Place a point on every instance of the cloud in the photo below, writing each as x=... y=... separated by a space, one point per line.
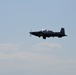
x=20 y=61
x=36 y=57
x=21 y=56
x=35 y=61
x=11 y=51
x=47 y=45
x=9 y=46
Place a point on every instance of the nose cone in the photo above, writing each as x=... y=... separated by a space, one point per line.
x=32 y=33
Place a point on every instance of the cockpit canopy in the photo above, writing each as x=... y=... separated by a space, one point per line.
x=45 y=30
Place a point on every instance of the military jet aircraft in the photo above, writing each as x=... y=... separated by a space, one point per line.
x=48 y=33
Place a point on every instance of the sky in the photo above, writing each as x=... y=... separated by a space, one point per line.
x=21 y=54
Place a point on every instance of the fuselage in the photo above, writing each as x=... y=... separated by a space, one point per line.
x=48 y=33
